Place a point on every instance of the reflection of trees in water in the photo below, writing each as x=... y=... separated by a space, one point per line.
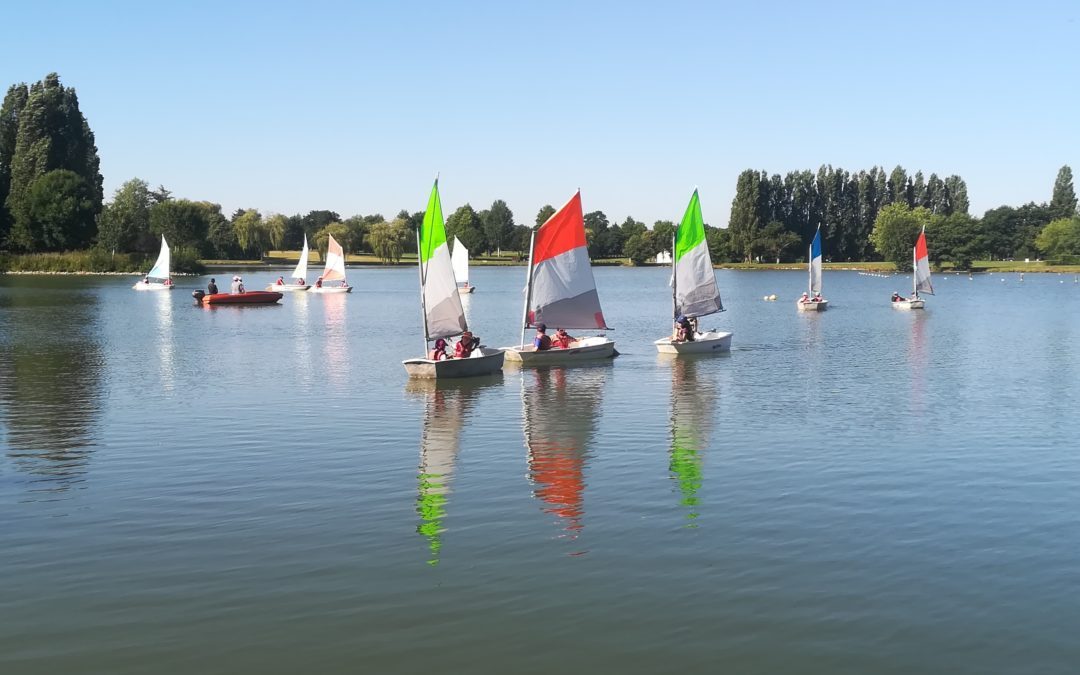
x=560 y=411
x=692 y=404
x=446 y=408
x=50 y=371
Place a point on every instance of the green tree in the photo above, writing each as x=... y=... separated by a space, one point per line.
x=180 y=221
x=641 y=246
x=745 y=218
x=124 y=224
x=465 y=224
x=498 y=225
x=276 y=227
x=388 y=239
x=220 y=237
x=1063 y=201
x=52 y=134
x=895 y=231
x=315 y=221
x=546 y=211
x=58 y=213
x=957 y=238
x=1060 y=238
x=721 y=246
x=665 y=233
x=14 y=102
x=251 y=233
x=777 y=241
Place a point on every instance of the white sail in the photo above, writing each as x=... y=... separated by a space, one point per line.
x=301 y=267
x=160 y=270
x=695 y=291
x=459 y=258
x=815 y=264
x=443 y=314
x=335 y=262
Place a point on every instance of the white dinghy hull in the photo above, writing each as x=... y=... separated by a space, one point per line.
x=153 y=287
x=909 y=304
x=585 y=349
x=330 y=289
x=484 y=361
x=813 y=306
x=710 y=342
x=282 y=288
x=466 y=289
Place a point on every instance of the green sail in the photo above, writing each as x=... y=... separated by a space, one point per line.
x=433 y=230
x=691 y=230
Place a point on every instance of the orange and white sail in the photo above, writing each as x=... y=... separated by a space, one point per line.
x=335 y=262
x=922 y=266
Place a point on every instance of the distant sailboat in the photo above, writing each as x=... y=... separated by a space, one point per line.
x=158 y=278
x=920 y=276
x=334 y=270
x=459 y=258
x=694 y=292
x=560 y=291
x=299 y=274
x=440 y=303
x=812 y=300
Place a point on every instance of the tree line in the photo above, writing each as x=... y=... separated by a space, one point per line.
x=51 y=200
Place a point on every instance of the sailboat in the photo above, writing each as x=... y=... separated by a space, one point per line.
x=812 y=300
x=460 y=260
x=299 y=274
x=334 y=270
x=560 y=291
x=920 y=276
x=694 y=293
x=440 y=303
x=158 y=279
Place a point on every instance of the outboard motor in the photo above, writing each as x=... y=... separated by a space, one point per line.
x=198 y=295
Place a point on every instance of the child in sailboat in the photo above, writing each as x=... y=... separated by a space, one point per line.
x=439 y=352
x=684 y=330
x=465 y=345
x=542 y=341
x=562 y=339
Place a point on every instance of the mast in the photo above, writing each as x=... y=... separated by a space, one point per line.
x=528 y=289
x=810 y=270
x=915 y=270
x=423 y=302
x=674 y=278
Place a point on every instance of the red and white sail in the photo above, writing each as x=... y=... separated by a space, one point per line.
x=561 y=290
x=922 y=266
x=335 y=261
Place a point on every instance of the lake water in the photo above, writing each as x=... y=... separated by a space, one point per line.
x=260 y=489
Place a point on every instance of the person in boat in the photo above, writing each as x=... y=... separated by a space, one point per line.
x=684 y=330
x=211 y=288
x=235 y=286
x=167 y=282
x=439 y=352
x=301 y=282
x=465 y=346
x=281 y=281
x=805 y=297
x=146 y=280
x=318 y=283
x=542 y=341
x=562 y=339
x=896 y=297
x=817 y=298
x=240 y=287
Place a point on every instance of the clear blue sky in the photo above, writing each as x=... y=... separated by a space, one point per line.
x=289 y=107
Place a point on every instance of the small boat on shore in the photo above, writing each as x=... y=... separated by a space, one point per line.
x=246 y=298
x=158 y=278
x=694 y=292
x=560 y=291
x=299 y=274
x=920 y=277
x=444 y=316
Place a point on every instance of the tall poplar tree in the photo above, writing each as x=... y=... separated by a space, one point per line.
x=1063 y=201
x=14 y=102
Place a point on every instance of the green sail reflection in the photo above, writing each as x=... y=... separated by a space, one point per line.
x=693 y=400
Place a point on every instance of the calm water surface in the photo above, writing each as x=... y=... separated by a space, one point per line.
x=261 y=490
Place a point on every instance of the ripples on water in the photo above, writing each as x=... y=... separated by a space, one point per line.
x=260 y=488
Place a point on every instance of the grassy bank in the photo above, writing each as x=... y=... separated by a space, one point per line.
x=92 y=261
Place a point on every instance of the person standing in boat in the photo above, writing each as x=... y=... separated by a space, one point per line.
x=542 y=342
x=211 y=288
x=235 y=286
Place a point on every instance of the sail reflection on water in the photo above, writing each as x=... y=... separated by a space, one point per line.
x=165 y=340
x=560 y=411
x=693 y=403
x=336 y=357
x=447 y=407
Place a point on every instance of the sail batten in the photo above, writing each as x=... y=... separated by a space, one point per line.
x=696 y=292
x=562 y=290
x=922 y=266
x=444 y=315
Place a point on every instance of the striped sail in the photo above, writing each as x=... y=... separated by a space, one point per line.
x=160 y=270
x=335 y=261
x=444 y=316
x=562 y=291
x=696 y=293
x=815 y=264
x=922 y=266
x=460 y=260
x=301 y=267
